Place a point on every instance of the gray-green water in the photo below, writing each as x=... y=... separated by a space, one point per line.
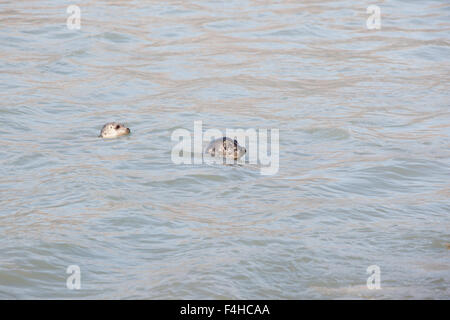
x=364 y=149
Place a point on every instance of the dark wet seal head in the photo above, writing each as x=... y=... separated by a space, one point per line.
x=114 y=130
x=226 y=148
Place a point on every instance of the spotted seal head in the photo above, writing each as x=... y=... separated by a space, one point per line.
x=226 y=148
x=114 y=130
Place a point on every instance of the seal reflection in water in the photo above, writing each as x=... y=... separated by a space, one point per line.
x=113 y=130
x=226 y=148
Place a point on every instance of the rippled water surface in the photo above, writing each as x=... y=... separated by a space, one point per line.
x=363 y=118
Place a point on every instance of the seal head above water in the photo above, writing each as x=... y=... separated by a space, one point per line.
x=226 y=148
x=114 y=130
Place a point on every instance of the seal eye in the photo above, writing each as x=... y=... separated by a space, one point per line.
x=117 y=127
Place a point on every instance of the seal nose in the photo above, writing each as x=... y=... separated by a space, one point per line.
x=128 y=130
